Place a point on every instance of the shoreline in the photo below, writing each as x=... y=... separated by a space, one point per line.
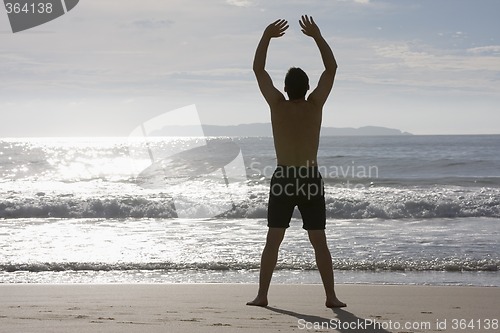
x=221 y=307
x=226 y=275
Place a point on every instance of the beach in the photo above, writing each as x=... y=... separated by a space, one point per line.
x=221 y=308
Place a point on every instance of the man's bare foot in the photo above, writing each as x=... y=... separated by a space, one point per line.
x=258 y=301
x=335 y=303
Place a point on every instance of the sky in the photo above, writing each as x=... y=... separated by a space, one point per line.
x=105 y=67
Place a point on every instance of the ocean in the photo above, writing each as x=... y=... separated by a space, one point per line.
x=400 y=210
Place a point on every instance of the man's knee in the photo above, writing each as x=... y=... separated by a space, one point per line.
x=317 y=239
x=275 y=237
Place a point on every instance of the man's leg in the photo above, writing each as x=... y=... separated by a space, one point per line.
x=325 y=267
x=267 y=264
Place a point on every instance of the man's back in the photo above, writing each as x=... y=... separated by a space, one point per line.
x=296 y=128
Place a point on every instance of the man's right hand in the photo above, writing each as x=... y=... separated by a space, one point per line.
x=276 y=29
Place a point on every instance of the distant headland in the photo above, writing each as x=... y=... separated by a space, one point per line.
x=264 y=129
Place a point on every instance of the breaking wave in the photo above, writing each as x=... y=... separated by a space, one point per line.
x=444 y=264
x=384 y=202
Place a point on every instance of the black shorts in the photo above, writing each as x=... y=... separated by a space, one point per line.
x=296 y=186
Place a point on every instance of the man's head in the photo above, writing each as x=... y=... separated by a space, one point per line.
x=296 y=83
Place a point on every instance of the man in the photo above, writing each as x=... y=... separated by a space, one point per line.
x=296 y=124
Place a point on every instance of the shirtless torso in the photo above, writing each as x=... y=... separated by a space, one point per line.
x=296 y=128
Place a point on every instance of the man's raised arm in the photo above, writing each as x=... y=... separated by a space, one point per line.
x=325 y=84
x=271 y=94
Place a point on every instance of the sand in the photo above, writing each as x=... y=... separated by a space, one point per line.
x=221 y=308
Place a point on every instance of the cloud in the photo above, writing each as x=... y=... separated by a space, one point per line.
x=363 y=2
x=239 y=3
x=217 y=72
x=488 y=50
x=421 y=56
x=417 y=67
x=152 y=23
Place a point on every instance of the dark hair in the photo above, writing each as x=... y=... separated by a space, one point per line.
x=296 y=83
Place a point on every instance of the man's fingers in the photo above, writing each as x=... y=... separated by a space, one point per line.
x=282 y=27
x=279 y=22
x=306 y=21
x=282 y=31
x=277 y=28
x=283 y=24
